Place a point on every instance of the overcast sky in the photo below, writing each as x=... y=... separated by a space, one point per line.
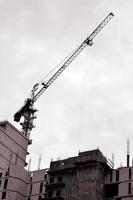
x=91 y=104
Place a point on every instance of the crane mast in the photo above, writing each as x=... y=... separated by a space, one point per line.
x=27 y=111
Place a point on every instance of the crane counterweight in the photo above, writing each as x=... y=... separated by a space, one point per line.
x=27 y=111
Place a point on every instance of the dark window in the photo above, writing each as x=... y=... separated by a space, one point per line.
x=50 y=194
x=39 y=198
x=52 y=180
x=0 y=175
x=45 y=176
x=30 y=188
x=60 y=179
x=7 y=173
x=58 y=192
x=111 y=190
x=3 y=195
x=5 y=183
x=129 y=188
x=130 y=173
x=117 y=175
x=111 y=176
x=31 y=179
x=41 y=187
x=29 y=198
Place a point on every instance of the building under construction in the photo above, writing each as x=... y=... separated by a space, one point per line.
x=90 y=175
x=17 y=183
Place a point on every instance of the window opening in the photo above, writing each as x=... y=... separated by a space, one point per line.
x=5 y=183
x=50 y=194
x=45 y=176
x=41 y=187
x=117 y=175
x=130 y=173
x=60 y=179
x=58 y=193
x=111 y=176
x=111 y=190
x=3 y=195
x=30 y=188
x=129 y=188
x=52 y=180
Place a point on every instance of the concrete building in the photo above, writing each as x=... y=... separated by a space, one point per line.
x=119 y=184
x=89 y=176
x=13 y=146
x=16 y=183
x=86 y=176
x=13 y=151
x=37 y=185
x=78 y=178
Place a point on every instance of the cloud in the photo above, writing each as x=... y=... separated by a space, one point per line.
x=90 y=104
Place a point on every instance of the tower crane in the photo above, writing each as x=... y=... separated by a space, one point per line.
x=27 y=111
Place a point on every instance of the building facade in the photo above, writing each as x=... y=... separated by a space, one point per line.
x=119 y=184
x=37 y=186
x=16 y=183
x=88 y=176
x=78 y=178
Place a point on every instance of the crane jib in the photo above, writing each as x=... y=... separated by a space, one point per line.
x=88 y=41
x=100 y=27
x=27 y=111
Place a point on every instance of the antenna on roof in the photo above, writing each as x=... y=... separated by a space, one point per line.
x=128 y=152
x=29 y=165
x=113 y=159
x=39 y=162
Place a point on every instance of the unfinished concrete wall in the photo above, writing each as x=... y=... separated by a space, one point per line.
x=81 y=177
x=121 y=185
x=13 y=146
x=13 y=151
x=37 y=184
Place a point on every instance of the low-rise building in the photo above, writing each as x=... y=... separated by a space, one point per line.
x=37 y=184
x=89 y=176
x=78 y=178
x=86 y=176
x=119 y=184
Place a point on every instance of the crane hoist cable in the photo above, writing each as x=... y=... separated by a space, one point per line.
x=27 y=111
x=50 y=73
